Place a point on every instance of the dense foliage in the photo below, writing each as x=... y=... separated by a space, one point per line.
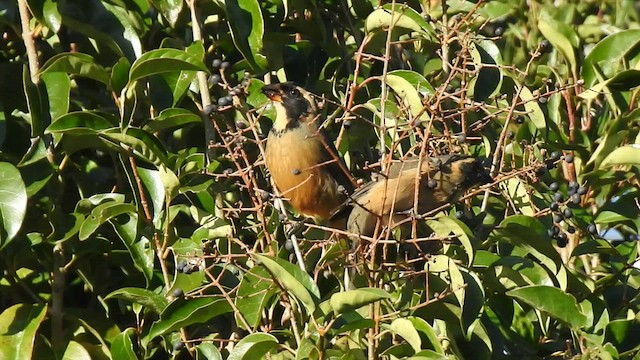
x=138 y=221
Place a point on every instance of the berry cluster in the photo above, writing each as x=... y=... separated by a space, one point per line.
x=220 y=79
x=186 y=267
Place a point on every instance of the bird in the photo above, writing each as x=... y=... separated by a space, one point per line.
x=442 y=179
x=303 y=163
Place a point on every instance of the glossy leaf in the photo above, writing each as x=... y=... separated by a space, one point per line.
x=607 y=53
x=294 y=280
x=181 y=313
x=147 y=298
x=254 y=293
x=254 y=346
x=344 y=301
x=18 y=326
x=551 y=301
x=13 y=202
x=77 y=64
x=122 y=346
x=247 y=29
x=79 y=123
x=164 y=60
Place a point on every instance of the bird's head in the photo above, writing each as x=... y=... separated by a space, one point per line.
x=293 y=104
x=474 y=173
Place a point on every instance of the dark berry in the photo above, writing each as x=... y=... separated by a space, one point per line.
x=520 y=119
x=462 y=138
x=550 y=231
x=241 y=125
x=542 y=99
x=224 y=101
x=427 y=18
x=214 y=79
x=288 y=245
x=592 y=229
x=510 y=135
x=216 y=63
x=177 y=345
x=541 y=171
x=224 y=65
x=347 y=124
x=567 y=213
x=568 y=158
x=571 y=191
x=571 y=229
x=554 y=186
x=210 y=109
x=561 y=242
x=431 y=184
x=296 y=171
x=558 y=196
x=544 y=45
x=459 y=214
x=575 y=199
x=554 y=206
x=499 y=31
x=265 y=196
x=557 y=218
x=187 y=269
x=582 y=190
x=574 y=185
x=555 y=155
x=177 y=292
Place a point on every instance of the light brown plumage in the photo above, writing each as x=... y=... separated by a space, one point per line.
x=304 y=166
x=384 y=199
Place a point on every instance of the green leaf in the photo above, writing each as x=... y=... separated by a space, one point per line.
x=139 y=248
x=77 y=64
x=402 y=16
x=153 y=184
x=562 y=37
x=58 y=86
x=36 y=104
x=254 y=346
x=553 y=302
x=122 y=346
x=164 y=60
x=424 y=327
x=533 y=108
x=293 y=279
x=345 y=301
x=405 y=329
x=247 y=29
x=487 y=58
x=18 y=326
x=100 y=214
x=409 y=86
x=606 y=56
x=172 y=118
x=623 y=334
x=254 y=293
x=625 y=155
x=181 y=313
x=444 y=226
x=75 y=351
x=13 y=202
x=519 y=194
x=141 y=143
x=208 y=351
x=79 y=123
x=170 y=9
x=147 y=298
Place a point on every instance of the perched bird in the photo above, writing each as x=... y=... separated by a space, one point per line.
x=304 y=166
x=441 y=180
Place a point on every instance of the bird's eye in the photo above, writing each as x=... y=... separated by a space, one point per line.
x=294 y=92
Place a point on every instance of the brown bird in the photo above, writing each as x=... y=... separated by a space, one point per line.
x=441 y=180
x=304 y=166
